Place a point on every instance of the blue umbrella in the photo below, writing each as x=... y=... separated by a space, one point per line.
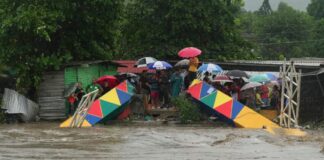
x=159 y=65
x=271 y=76
x=259 y=78
x=212 y=68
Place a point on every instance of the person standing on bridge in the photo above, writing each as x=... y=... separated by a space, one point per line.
x=193 y=68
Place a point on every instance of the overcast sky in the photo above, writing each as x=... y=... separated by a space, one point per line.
x=252 y=5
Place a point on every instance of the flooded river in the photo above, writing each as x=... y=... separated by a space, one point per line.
x=47 y=141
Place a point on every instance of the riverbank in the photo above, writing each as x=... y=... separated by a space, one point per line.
x=46 y=140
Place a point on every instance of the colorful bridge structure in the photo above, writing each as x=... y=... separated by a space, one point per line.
x=220 y=103
x=108 y=106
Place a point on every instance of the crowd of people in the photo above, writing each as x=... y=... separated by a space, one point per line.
x=163 y=84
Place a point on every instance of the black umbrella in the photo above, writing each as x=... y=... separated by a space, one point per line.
x=237 y=74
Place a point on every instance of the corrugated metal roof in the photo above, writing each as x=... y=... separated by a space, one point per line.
x=301 y=62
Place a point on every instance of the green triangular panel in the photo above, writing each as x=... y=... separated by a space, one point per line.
x=130 y=88
x=107 y=107
x=210 y=99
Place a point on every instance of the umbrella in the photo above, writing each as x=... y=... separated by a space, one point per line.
x=271 y=76
x=212 y=68
x=237 y=74
x=222 y=78
x=143 y=62
x=273 y=83
x=189 y=52
x=159 y=65
x=112 y=80
x=251 y=85
x=129 y=74
x=183 y=63
x=259 y=78
x=70 y=89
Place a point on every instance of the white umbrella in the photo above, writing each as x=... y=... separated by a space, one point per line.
x=159 y=65
x=251 y=85
x=143 y=62
x=182 y=63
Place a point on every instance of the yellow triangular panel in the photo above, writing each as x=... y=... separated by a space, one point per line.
x=221 y=98
x=111 y=97
x=86 y=124
x=195 y=81
x=67 y=123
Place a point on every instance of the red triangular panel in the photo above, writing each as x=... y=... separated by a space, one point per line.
x=122 y=86
x=95 y=109
x=225 y=109
x=195 y=90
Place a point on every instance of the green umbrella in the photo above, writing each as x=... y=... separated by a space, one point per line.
x=259 y=78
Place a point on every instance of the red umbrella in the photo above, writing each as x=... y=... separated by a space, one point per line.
x=222 y=78
x=112 y=80
x=189 y=52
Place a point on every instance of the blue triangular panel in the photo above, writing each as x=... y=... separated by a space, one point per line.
x=236 y=109
x=206 y=89
x=92 y=119
x=123 y=96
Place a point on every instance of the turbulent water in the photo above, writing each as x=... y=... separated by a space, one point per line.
x=47 y=141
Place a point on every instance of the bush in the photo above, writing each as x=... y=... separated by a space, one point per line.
x=189 y=111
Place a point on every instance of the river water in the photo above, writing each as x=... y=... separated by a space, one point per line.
x=48 y=141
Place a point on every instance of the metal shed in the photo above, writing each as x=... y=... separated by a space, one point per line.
x=51 y=91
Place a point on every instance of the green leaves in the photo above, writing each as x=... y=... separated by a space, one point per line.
x=37 y=35
x=161 y=28
x=316 y=9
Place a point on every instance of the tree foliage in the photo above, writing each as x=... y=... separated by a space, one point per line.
x=316 y=9
x=36 y=35
x=285 y=32
x=39 y=34
x=160 y=28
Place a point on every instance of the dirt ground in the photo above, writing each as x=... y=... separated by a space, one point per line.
x=47 y=141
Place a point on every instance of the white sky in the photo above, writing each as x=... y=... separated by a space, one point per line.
x=252 y=5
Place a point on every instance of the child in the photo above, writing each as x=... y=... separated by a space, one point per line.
x=72 y=101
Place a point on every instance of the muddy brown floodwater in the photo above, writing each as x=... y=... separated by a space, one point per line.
x=47 y=141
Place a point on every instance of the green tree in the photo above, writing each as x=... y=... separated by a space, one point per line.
x=316 y=9
x=286 y=31
x=317 y=45
x=265 y=8
x=160 y=28
x=36 y=35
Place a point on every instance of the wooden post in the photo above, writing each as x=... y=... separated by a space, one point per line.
x=283 y=81
x=83 y=107
x=298 y=96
